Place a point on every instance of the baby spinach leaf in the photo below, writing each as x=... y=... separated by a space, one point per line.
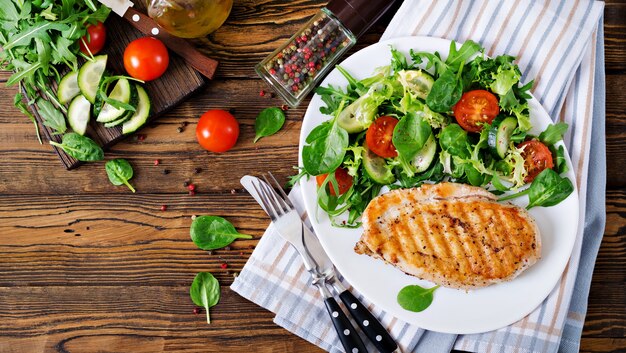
x=548 y=189
x=415 y=298
x=454 y=140
x=446 y=91
x=410 y=135
x=52 y=117
x=80 y=147
x=268 y=122
x=205 y=292
x=119 y=172
x=213 y=232
x=326 y=148
x=553 y=133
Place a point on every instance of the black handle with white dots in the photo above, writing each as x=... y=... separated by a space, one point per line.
x=347 y=333
x=368 y=323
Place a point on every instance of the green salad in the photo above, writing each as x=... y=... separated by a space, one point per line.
x=464 y=119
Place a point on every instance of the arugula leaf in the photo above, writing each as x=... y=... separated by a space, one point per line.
x=51 y=116
x=17 y=101
x=456 y=59
x=560 y=163
x=398 y=61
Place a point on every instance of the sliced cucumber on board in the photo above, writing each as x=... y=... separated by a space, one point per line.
x=140 y=115
x=121 y=92
x=78 y=114
x=89 y=77
x=68 y=87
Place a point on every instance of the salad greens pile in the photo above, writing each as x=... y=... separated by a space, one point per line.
x=39 y=40
x=421 y=93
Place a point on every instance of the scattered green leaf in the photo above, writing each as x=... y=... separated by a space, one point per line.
x=80 y=147
x=268 y=122
x=205 y=292
x=415 y=298
x=213 y=232
x=120 y=172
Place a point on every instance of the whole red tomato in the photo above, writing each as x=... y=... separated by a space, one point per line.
x=146 y=58
x=217 y=131
x=94 y=39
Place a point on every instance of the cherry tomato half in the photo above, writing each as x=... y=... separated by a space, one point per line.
x=146 y=58
x=537 y=157
x=217 y=130
x=379 y=135
x=344 y=181
x=94 y=39
x=476 y=108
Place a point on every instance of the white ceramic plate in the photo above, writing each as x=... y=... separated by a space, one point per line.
x=452 y=311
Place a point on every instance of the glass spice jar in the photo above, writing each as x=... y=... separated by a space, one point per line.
x=294 y=69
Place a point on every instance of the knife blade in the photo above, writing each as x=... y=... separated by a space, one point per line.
x=202 y=63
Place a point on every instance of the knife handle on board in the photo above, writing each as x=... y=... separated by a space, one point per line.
x=202 y=63
x=373 y=329
x=348 y=335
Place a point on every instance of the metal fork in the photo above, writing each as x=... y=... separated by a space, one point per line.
x=287 y=222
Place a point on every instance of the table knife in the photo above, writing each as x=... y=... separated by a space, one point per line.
x=325 y=269
x=202 y=63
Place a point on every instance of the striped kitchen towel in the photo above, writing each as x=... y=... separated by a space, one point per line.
x=559 y=43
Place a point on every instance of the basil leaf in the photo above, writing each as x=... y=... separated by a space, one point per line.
x=212 y=232
x=415 y=298
x=326 y=149
x=205 y=291
x=51 y=116
x=410 y=135
x=268 y=122
x=548 y=189
x=119 y=172
x=80 y=147
x=553 y=133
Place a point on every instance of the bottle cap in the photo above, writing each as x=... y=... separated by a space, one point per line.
x=359 y=15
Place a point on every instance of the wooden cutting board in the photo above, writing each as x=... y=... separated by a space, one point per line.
x=179 y=81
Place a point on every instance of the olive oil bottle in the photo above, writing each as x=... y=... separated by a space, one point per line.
x=189 y=18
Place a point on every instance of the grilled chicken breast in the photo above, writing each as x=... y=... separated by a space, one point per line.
x=454 y=235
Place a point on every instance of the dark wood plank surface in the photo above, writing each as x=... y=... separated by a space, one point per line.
x=85 y=266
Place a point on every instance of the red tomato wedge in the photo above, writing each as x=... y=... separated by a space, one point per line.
x=537 y=158
x=476 y=108
x=379 y=137
x=344 y=181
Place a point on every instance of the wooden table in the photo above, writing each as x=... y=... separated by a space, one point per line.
x=86 y=266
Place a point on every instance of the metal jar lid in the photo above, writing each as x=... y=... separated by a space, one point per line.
x=359 y=15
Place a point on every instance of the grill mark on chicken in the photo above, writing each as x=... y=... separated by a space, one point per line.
x=452 y=234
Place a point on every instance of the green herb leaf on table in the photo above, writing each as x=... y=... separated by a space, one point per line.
x=268 y=122
x=415 y=298
x=119 y=172
x=51 y=116
x=205 y=292
x=213 y=232
x=80 y=147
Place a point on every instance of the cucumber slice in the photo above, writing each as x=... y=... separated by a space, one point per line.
x=121 y=92
x=68 y=87
x=500 y=135
x=376 y=167
x=141 y=114
x=426 y=155
x=417 y=82
x=347 y=120
x=78 y=114
x=89 y=77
